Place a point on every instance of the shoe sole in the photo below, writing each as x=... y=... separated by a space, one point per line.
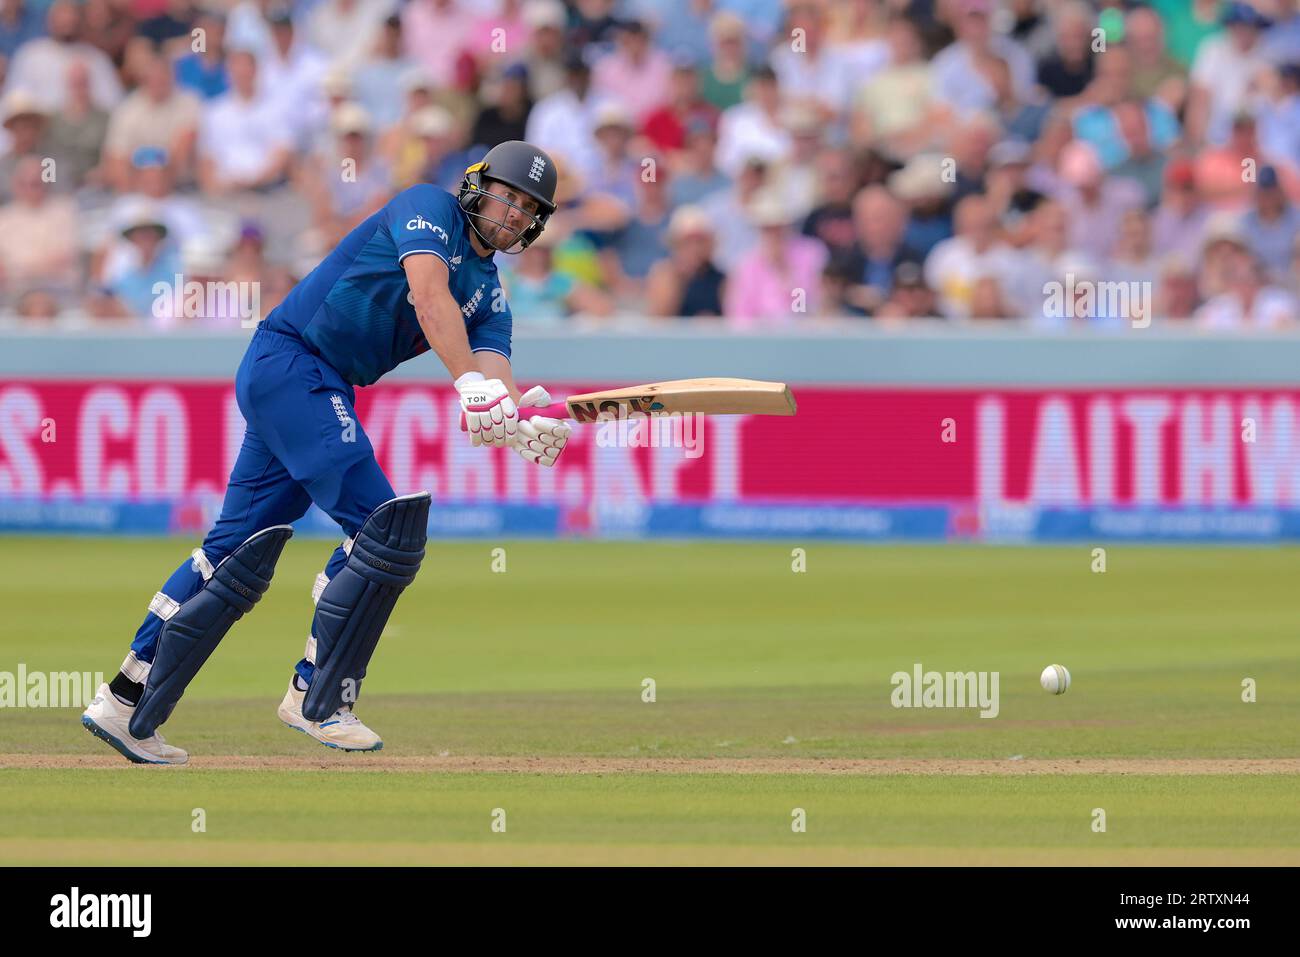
x=89 y=724
x=330 y=744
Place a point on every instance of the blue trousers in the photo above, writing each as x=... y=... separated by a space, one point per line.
x=302 y=444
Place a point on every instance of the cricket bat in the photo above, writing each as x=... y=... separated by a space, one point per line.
x=707 y=396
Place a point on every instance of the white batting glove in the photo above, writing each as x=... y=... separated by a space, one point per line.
x=490 y=414
x=541 y=439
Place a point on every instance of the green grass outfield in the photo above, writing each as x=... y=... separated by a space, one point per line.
x=523 y=691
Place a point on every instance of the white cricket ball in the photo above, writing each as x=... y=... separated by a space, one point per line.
x=1055 y=679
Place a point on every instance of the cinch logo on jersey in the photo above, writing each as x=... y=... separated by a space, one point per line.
x=472 y=305
x=950 y=689
x=535 y=174
x=421 y=223
x=103 y=910
x=53 y=689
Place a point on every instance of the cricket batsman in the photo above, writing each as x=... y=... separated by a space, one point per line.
x=417 y=275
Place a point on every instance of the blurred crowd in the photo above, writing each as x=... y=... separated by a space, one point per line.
x=770 y=162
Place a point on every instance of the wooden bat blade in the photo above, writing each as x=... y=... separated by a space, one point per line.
x=707 y=396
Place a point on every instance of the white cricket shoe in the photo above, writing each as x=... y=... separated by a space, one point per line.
x=342 y=730
x=109 y=720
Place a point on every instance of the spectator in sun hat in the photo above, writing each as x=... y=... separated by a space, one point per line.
x=923 y=185
x=1176 y=294
x=27 y=123
x=424 y=141
x=617 y=171
x=338 y=205
x=154 y=261
x=779 y=281
x=1223 y=235
x=151 y=184
x=687 y=283
x=796 y=178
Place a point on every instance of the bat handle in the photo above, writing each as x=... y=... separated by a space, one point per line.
x=557 y=411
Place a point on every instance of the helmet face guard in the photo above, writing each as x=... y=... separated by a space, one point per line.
x=474 y=188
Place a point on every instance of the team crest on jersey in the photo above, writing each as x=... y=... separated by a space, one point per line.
x=474 y=300
x=539 y=165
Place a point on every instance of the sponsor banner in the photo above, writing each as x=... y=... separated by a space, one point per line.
x=855 y=463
